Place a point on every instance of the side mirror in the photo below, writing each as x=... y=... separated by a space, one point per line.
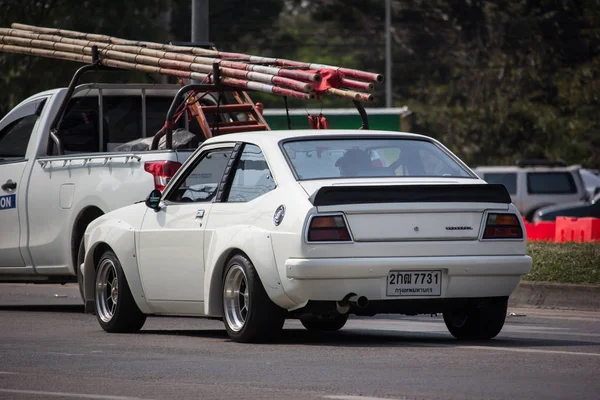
x=153 y=200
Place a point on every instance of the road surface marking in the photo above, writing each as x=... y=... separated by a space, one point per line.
x=492 y=348
x=63 y=394
x=343 y=397
x=64 y=354
x=7 y=373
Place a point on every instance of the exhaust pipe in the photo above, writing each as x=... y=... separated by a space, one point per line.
x=362 y=302
x=343 y=306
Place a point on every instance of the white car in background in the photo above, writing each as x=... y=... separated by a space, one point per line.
x=258 y=227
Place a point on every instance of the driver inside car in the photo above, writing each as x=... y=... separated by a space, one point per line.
x=355 y=162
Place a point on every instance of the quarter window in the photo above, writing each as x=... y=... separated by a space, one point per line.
x=252 y=177
x=201 y=182
x=509 y=180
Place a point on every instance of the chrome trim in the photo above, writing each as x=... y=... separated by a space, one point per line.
x=333 y=214
x=107 y=157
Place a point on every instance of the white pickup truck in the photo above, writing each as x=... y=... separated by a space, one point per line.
x=59 y=174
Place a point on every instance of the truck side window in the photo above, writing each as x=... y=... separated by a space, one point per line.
x=79 y=128
x=508 y=179
x=15 y=137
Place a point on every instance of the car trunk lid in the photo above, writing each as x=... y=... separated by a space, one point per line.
x=417 y=212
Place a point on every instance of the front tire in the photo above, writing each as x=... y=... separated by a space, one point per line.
x=249 y=314
x=324 y=323
x=116 y=310
x=482 y=322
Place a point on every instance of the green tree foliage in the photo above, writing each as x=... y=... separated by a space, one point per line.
x=22 y=75
x=496 y=80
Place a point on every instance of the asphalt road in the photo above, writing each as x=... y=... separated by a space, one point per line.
x=49 y=349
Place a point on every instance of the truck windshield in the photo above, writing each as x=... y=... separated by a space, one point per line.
x=360 y=158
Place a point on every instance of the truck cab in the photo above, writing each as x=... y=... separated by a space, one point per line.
x=55 y=180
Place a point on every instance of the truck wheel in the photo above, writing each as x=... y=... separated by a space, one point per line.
x=115 y=308
x=80 y=258
x=249 y=314
x=324 y=323
x=479 y=323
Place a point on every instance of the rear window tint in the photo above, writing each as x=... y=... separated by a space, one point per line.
x=360 y=157
x=509 y=180
x=550 y=183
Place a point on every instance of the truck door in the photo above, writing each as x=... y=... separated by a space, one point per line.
x=15 y=131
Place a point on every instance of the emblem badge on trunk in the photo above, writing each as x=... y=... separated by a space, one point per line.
x=416 y=228
x=459 y=228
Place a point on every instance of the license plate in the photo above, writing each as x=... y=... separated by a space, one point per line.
x=414 y=283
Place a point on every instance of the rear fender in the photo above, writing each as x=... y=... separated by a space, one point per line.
x=256 y=244
x=119 y=236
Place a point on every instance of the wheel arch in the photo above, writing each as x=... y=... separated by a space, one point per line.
x=260 y=254
x=83 y=219
x=119 y=237
x=213 y=298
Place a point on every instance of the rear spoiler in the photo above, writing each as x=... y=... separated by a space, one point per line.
x=477 y=193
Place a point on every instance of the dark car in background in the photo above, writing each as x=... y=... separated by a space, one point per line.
x=580 y=209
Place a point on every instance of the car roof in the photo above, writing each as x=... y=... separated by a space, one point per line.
x=279 y=135
x=516 y=168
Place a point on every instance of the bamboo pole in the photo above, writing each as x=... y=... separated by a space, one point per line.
x=233 y=82
x=162 y=62
x=349 y=94
x=353 y=73
x=45 y=40
x=351 y=83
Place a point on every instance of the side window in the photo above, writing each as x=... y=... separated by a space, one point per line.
x=508 y=179
x=201 y=181
x=252 y=177
x=14 y=138
x=551 y=183
x=78 y=129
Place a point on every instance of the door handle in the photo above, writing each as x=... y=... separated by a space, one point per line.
x=199 y=214
x=9 y=185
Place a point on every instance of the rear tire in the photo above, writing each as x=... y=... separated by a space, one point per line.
x=115 y=307
x=249 y=314
x=324 y=323
x=482 y=322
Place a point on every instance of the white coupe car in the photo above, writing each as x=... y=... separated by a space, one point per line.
x=258 y=227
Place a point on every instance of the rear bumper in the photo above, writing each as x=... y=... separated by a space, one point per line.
x=462 y=276
x=358 y=268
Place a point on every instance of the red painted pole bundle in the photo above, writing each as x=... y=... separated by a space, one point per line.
x=271 y=75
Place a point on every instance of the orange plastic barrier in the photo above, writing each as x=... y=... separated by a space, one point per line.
x=544 y=230
x=577 y=229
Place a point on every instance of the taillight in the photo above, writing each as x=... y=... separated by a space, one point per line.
x=162 y=171
x=328 y=228
x=502 y=226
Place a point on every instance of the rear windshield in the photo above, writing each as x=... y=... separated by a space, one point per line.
x=359 y=158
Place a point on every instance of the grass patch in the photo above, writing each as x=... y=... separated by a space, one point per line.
x=564 y=262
